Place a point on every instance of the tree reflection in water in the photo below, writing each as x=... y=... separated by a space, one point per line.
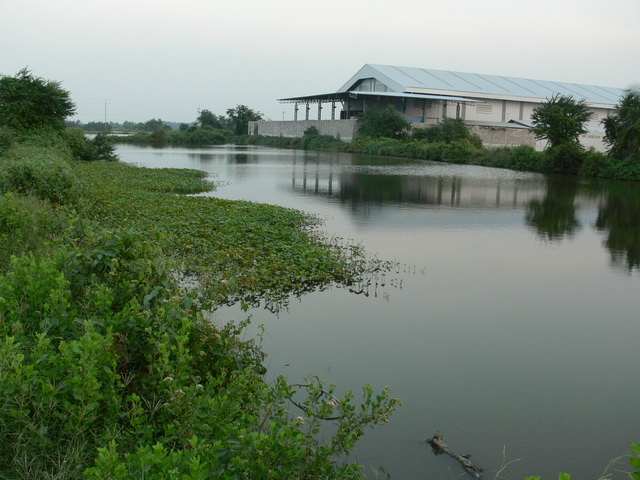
x=619 y=216
x=554 y=217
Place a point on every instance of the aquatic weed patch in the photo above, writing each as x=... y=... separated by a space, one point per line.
x=239 y=251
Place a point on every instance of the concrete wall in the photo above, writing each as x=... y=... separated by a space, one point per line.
x=342 y=129
x=493 y=137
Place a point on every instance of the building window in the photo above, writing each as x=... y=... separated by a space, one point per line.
x=484 y=108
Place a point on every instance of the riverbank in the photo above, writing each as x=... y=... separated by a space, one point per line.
x=109 y=366
x=461 y=149
x=589 y=164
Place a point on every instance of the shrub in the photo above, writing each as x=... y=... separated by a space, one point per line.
x=448 y=130
x=596 y=164
x=7 y=137
x=565 y=158
x=25 y=223
x=526 y=158
x=384 y=122
x=40 y=172
x=459 y=152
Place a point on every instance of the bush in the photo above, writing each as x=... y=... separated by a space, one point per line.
x=447 y=131
x=459 y=152
x=565 y=158
x=25 y=223
x=596 y=164
x=385 y=122
x=39 y=172
x=526 y=158
x=7 y=137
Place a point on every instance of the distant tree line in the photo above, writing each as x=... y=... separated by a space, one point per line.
x=207 y=127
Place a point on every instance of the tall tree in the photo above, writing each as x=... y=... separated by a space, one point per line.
x=622 y=128
x=561 y=119
x=208 y=119
x=27 y=102
x=240 y=116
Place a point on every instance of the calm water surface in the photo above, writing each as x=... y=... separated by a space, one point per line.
x=511 y=323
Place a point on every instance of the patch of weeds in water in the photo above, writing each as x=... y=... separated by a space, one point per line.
x=239 y=251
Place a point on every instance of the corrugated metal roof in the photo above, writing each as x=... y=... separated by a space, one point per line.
x=327 y=97
x=416 y=96
x=409 y=79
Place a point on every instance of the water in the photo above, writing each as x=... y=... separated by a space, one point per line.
x=510 y=324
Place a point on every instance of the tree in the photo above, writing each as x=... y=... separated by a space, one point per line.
x=28 y=102
x=561 y=119
x=622 y=128
x=384 y=122
x=208 y=119
x=153 y=125
x=240 y=116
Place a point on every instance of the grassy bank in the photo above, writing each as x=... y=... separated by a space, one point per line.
x=108 y=366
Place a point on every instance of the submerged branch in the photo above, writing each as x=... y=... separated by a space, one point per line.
x=439 y=447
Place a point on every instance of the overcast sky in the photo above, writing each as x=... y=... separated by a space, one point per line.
x=167 y=59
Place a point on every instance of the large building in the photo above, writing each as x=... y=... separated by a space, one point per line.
x=496 y=107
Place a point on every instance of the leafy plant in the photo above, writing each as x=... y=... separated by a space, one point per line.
x=622 y=128
x=561 y=119
x=385 y=122
x=28 y=102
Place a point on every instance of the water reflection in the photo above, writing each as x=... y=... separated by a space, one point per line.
x=619 y=217
x=551 y=204
x=554 y=217
x=391 y=184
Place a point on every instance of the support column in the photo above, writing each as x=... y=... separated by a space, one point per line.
x=306 y=115
x=319 y=110
x=444 y=109
x=333 y=109
x=295 y=112
x=458 y=110
x=424 y=111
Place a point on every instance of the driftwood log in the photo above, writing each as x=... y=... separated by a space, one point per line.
x=468 y=466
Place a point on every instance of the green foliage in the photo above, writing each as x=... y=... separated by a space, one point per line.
x=7 y=138
x=526 y=158
x=28 y=102
x=562 y=476
x=192 y=136
x=238 y=250
x=312 y=140
x=240 y=116
x=565 y=158
x=108 y=368
x=561 y=119
x=82 y=148
x=622 y=128
x=41 y=172
x=385 y=122
x=447 y=131
x=635 y=460
x=153 y=125
x=208 y=119
x=595 y=164
x=25 y=224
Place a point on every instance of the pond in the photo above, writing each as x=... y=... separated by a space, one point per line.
x=510 y=323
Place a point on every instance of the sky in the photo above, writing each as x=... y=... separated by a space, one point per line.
x=140 y=59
